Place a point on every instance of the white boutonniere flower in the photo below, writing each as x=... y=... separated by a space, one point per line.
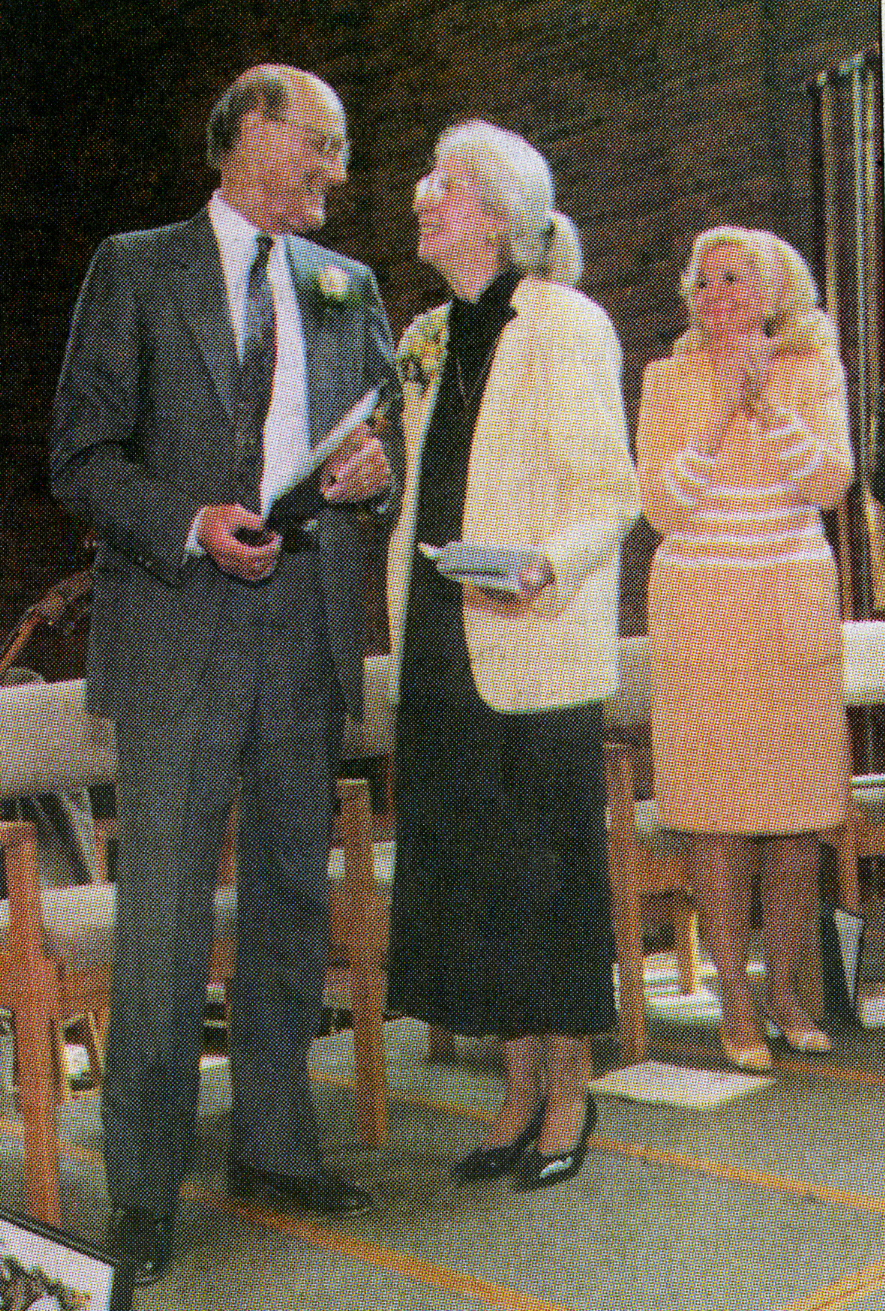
x=334 y=283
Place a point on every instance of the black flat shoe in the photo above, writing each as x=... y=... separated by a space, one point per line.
x=538 y=1170
x=319 y=1191
x=140 y=1244
x=495 y=1162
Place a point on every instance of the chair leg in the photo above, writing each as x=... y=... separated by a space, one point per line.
x=631 y=991
x=35 y=1036
x=625 y=903
x=365 y=950
x=687 y=951
x=370 y=1068
x=843 y=841
x=35 y=1029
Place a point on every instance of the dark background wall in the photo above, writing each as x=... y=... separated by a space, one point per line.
x=659 y=118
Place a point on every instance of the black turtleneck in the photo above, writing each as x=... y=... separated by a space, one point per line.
x=435 y=650
x=474 y=329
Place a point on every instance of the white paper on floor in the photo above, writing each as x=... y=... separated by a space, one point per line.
x=652 y=1081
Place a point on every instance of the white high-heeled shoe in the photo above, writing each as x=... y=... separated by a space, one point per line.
x=805 y=1037
x=756 y=1057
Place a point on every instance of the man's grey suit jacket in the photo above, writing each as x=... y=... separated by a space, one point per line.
x=144 y=435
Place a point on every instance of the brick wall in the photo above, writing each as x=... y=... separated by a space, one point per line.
x=658 y=117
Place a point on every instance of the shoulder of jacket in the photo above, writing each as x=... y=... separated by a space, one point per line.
x=311 y=255
x=556 y=298
x=155 y=238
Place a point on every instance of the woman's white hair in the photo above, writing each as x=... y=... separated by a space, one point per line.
x=789 y=294
x=513 y=179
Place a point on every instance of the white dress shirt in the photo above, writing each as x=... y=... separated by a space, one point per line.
x=286 y=428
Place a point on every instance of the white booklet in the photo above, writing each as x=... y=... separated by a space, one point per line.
x=281 y=508
x=496 y=567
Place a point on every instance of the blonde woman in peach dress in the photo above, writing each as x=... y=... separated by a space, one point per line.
x=742 y=440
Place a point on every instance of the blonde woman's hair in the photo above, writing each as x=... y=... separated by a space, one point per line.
x=790 y=296
x=513 y=180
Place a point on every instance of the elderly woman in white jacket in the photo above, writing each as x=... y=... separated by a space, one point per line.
x=516 y=439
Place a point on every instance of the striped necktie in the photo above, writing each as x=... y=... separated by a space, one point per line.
x=256 y=372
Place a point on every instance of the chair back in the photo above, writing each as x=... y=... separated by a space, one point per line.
x=630 y=706
x=50 y=742
x=864 y=674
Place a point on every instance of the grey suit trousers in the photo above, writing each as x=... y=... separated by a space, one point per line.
x=267 y=717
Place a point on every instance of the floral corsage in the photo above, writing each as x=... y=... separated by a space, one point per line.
x=422 y=350
x=335 y=284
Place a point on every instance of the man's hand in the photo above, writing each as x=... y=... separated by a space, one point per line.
x=217 y=534
x=358 y=470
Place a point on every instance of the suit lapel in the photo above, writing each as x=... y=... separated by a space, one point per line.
x=197 y=285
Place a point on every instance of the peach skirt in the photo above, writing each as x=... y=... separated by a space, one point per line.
x=748 y=723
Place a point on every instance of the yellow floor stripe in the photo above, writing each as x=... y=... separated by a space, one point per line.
x=867 y=1202
x=673 y=1160
x=739 y=1174
x=409 y=1267
x=842 y=1292
x=830 y=1298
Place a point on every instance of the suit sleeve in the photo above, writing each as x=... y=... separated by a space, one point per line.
x=99 y=470
x=598 y=497
x=381 y=372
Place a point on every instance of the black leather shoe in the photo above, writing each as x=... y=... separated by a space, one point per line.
x=538 y=1170
x=318 y=1191
x=140 y=1244
x=495 y=1162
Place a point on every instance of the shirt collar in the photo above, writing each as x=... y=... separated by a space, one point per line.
x=235 y=236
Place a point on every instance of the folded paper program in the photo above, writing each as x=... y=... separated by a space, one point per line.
x=293 y=502
x=495 y=567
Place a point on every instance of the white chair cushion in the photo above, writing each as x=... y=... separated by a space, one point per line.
x=869 y=798
x=78 y=923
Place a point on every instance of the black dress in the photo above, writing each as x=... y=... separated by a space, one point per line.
x=500 y=913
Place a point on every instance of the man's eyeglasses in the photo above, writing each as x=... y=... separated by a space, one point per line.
x=331 y=146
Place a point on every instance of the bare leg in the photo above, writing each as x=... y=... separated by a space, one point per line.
x=722 y=869
x=789 y=883
x=569 y=1070
x=525 y=1088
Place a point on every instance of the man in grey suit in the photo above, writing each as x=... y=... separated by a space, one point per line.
x=226 y=653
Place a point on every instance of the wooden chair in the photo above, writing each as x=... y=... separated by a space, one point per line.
x=863 y=836
x=56 y=944
x=645 y=861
